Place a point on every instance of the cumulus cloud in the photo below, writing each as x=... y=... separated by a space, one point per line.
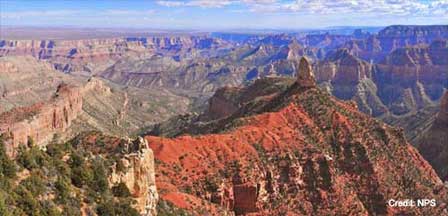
x=393 y=7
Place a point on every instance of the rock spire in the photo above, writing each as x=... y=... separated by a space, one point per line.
x=305 y=75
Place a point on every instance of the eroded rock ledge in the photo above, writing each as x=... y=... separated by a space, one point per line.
x=40 y=122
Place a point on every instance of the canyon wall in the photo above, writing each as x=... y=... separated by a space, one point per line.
x=94 y=55
x=377 y=47
x=433 y=145
x=41 y=121
x=413 y=77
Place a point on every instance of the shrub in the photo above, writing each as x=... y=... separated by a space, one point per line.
x=27 y=202
x=35 y=184
x=81 y=176
x=7 y=166
x=99 y=183
x=32 y=158
x=121 y=190
x=62 y=190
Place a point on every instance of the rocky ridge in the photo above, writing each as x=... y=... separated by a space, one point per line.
x=299 y=152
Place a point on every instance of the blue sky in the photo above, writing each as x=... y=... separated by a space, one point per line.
x=222 y=14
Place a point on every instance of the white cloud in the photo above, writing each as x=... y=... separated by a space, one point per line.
x=379 y=7
x=197 y=3
x=74 y=13
x=32 y=13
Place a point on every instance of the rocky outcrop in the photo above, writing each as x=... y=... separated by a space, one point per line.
x=138 y=174
x=305 y=74
x=131 y=167
x=300 y=152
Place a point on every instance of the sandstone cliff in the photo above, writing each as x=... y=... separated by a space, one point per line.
x=39 y=122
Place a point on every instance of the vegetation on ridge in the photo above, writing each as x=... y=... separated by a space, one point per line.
x=63 y=180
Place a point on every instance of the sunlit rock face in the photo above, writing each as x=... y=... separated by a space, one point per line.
x=138 y=174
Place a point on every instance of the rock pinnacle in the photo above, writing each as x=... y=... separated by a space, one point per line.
x=305 y=75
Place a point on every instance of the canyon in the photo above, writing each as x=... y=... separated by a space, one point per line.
x=235 y=124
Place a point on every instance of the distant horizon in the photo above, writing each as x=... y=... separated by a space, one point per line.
x=210 y=30
x=203 y=29
x=74 y=32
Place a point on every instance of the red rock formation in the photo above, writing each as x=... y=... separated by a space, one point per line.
x=301 y=152
x=305 y=74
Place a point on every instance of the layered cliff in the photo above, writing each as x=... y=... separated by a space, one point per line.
x=412 y=78
x=39 y=122
x=377 y=47
x=350 y=78
x=89 y=56
x=86 y=56
x=301 y=152
x=434 y=142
